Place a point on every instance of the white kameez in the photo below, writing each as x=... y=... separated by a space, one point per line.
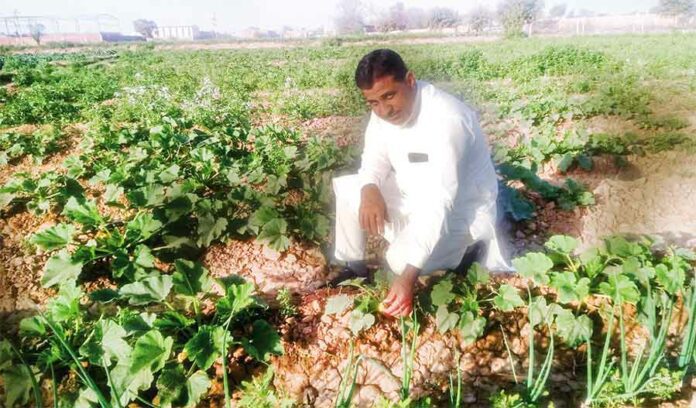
x=439 y=184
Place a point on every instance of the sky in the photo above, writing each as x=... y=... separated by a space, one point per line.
x=234 y=15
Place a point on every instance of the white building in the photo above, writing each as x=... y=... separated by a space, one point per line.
x=190 y=32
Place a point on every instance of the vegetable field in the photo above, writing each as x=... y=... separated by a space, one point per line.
x=167 y=215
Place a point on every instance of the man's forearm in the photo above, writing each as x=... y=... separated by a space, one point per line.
x=410 y=274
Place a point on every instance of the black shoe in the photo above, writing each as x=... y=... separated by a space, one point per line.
x=474 y=253
x=348 y=273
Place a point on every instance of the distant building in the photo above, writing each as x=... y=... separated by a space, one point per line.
x=187 y=32
x=611 y=24
x=251 y=33
x=17 y=30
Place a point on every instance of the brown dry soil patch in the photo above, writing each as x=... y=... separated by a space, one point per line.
x=300 y=269
x=20 y=268
x=345 y=130
x=652 y=194
x=317 y=352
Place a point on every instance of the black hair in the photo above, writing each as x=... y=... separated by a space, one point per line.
x=378 y=64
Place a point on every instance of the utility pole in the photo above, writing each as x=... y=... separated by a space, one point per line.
x=16 y=22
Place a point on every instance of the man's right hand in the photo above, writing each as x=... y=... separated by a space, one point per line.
x=373 y=210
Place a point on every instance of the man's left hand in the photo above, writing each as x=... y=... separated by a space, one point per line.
x=399 y=300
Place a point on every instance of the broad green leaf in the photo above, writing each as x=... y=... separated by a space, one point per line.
x=274 y=184
x=150 y=352
x=477 y=274
x=171 y=386
x=177 y=242
x=644 y=275
x=65 y=306
x=142 y=256
x=534 y=266
x=622 y=248
x=152 y=289
x=112 y=340
x=632 y=267
x=210 y=229
x=151 y=195
x=507 y=299
x=31 y=326
x=585 y=162
x=569 y=288
x=565 y=162
x=315 y=226
x=273 y=234
x=179 y=206
x=169 y=174
x=196 y=386
x=100 y=177
x=126 y=384
x=441 y=294
x=190 y=278
x=360 y=321
x=6 y=355
x=592 y=263
x=6 y=199
x=106 y=341
x=573 y=330
x=337 y=304
x=136 y=324
x=619 y=285
x=173 y=320
x=122 y=266
x=59 y=268
x=86 y=212
x=17 y=384
x=238 y=296
x=261 y=217
x=670 y=278
x=539 y=311
x=562 y=243
x=206 y=346
x=112 y=193
x=232 y=176
x=445 y=320
x=142 y=226
x=54 y=237
x=684 y=253
x=471 y=327
x=87 y=398
x=264 y=341
x=516 y=205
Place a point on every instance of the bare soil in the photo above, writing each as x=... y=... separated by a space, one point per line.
x=317 y=349
x=644 y=194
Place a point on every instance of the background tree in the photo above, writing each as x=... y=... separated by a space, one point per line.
x=558 y=11
x=514 y=14
x=36 y=31
x=349 y=18
x=676 y=7
x=416 y=18
x=395 y=18
x=144 y=27
x=479 y=19
x=443 y=17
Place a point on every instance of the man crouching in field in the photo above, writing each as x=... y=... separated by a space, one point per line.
x=426 y=182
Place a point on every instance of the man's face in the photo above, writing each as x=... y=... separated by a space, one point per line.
x=392 y=100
